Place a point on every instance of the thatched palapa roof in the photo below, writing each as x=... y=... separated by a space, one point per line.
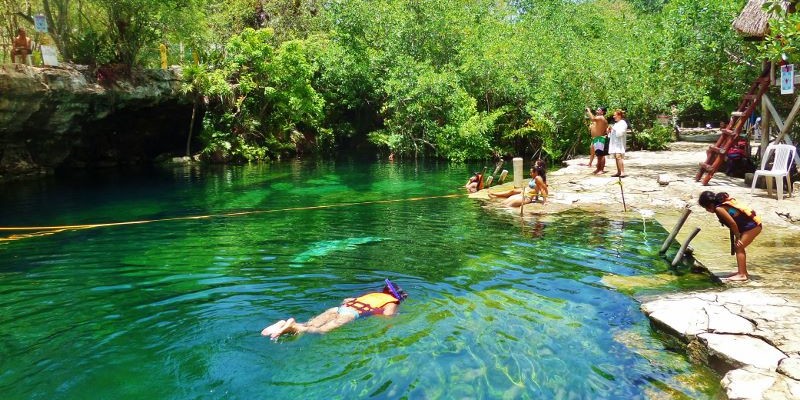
x=753 y=21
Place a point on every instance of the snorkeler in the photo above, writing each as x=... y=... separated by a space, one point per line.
x=384 y=302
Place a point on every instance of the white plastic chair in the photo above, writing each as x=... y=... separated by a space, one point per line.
x=784 y=154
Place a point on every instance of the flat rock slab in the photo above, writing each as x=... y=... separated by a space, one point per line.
x=749 y=334
x=742 y=350
x=689 y=316
x=751 y=383
x=790 y=367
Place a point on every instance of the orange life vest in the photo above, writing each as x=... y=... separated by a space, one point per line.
x=371 y=303
x=744 y=217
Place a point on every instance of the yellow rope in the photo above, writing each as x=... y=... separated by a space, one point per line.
x=49 y=230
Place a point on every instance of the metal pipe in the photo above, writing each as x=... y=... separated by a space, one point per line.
x=675 y=230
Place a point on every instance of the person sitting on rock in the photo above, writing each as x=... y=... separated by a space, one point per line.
x=21 y=52
x=536 y=186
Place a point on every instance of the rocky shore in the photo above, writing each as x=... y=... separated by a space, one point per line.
x=75 y=116
x=745 y=331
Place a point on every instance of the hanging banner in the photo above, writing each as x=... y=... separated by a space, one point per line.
x=49 y=55
x=787 y=79
x=40 y=23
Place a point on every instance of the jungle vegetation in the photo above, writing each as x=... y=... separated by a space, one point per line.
x=451 y=79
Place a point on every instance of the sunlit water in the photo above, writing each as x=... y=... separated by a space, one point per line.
x=173 y=309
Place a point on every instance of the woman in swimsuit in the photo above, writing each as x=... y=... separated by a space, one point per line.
x=384 y=302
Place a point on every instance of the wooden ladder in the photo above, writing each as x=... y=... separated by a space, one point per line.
x=715 y=153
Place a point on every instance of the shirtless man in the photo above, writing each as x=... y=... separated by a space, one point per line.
x=597 y=128
x=22 y=47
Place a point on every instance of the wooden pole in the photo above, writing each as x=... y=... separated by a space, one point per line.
x=191 y=128
x=675 y=230
x=682 y=251
x=624 y=206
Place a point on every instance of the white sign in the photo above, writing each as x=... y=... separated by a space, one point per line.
x=787 y=79
x=49 y=55
x=40 y=23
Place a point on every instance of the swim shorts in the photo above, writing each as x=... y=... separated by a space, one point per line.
x=344 y=310
x=599 y=144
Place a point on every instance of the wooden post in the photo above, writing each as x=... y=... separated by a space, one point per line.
x=682 y=251
x=675 y=230
x=765 y=119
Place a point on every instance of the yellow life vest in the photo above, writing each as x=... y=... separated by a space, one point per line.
x=371 y=303
x=744 y=210
x=745 y=213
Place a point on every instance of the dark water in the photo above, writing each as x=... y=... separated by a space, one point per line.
x=173 y=309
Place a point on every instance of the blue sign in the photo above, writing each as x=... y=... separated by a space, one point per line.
x=40 y=23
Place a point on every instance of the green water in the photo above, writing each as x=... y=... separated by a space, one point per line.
x=173 y=309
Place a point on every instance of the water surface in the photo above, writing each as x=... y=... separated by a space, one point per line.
x=499 y=308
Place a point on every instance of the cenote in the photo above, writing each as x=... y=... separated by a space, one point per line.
x=172 y=308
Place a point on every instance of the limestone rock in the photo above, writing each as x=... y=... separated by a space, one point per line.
x=682 y=316
x=748 y=383
x=741 y=350
x=751 y=383
x=664 y=179
x=790 y=367
x=691 y=316
x=52 y=117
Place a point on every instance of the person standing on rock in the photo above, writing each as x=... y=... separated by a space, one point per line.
x=597 y=129
x=616 y=146
x=743 y=222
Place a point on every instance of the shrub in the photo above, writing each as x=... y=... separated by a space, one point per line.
x=654 y=138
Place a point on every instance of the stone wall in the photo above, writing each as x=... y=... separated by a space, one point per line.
x=64 y=118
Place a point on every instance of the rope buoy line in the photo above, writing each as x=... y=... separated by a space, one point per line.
x=49 y=230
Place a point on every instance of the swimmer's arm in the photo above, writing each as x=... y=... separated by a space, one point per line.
x=390 y=309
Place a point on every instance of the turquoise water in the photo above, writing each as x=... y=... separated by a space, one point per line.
x=173 y=309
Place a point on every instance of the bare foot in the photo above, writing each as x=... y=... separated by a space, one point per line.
x=736 y=278
x=276 y=327
x=288 y=327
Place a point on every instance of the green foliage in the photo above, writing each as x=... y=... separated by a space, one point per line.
x=783 y=36
x=428 y=112
x=92 y=47
x=262 y=97
x=654 y=138
x=454 y=79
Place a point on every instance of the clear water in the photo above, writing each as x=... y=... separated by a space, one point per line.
x=173 y=309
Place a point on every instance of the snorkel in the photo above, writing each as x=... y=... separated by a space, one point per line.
x=393 y=289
